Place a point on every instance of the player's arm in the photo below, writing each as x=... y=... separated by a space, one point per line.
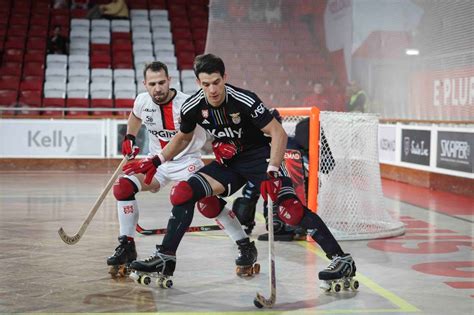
x=177 y=144
x=129 y=147
x=278 y=144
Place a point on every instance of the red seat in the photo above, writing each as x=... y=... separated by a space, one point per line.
x=38 y=32
x=157 y=4
x=13 y=55
x=77 y=102
x=12 y=83
x=36 y=44
x=102 y=103
x=11 y=71
x=121 y=35
x=185 y=60
x=16 y=19
x=78 y=13
x=100 y=49
x=31 y=85
x=33 y=69
x=34 y=57
x=121 y=46
x=200 y=46
x=39 y=21
x=15 y=42
x=17 y=32
x=181 y=45
x=138 y=5
x=181 y=33
x=8 y=97
x=100 y=61
x=124 y=103
x=30 y=98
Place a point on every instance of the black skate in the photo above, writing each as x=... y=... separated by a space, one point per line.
x=246 y=261
x=160 y=266
x=124 y=254
x=339 y=274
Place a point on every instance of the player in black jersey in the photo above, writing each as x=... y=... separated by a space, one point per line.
x=249 y=146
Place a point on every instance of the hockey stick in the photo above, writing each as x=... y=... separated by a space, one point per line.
x=71 y=240
x=260 y=301
x=201 y=228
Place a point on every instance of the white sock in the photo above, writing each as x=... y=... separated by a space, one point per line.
x=231 y=224
x=128 y=217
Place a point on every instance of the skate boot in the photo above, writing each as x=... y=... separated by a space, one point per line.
x=159 y=266
x=339 y=274
x=246 y=261
x=244 y=209
x=124 y=254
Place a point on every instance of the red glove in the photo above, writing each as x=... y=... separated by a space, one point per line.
x=129 y=148
x=271 y=186
x=223 y=151
x=146 y=166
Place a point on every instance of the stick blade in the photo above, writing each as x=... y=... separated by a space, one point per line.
x=68 y=239
x=260 y=301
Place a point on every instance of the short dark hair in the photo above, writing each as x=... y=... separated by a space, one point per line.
x=155 y=66
x=208 y=63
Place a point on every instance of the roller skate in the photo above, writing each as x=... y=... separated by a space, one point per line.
x=246 y=261
x=124 y=254
x=160 y=266
x=339 y=275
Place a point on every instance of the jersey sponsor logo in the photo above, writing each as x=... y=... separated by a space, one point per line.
x=148 y=119
x=227 y=132
x=235 y=118
x=205 y=122
x=164 y=134
x=205 y=113
x=152 y=110
x=258 y=111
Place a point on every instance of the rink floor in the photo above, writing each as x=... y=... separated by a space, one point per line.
x=429 y=270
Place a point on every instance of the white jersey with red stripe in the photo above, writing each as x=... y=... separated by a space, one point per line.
x=162 y=123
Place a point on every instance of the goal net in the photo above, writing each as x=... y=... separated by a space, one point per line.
x=344 y=177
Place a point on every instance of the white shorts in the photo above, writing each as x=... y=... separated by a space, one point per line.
x=178 y=170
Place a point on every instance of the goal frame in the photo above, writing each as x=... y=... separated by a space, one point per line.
x=313 y=156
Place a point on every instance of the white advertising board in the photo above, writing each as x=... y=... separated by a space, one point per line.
x=387 y=143
x=52 y=138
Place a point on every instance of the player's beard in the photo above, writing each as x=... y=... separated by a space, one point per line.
x=161 y=98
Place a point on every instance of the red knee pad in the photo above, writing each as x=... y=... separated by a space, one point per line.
x=124 y=189
x=291 y=211
x=210 y=207
x=181 y=193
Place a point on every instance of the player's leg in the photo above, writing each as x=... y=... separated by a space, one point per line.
x=125 y=189
x=245 y=207
x=214 y=207
x=183 y=197
x=293 y=212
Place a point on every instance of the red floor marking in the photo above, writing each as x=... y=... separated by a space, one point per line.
x=441 y=201
x=461 y=285
x=447 y=268
x=417 y=224
x=428 y=231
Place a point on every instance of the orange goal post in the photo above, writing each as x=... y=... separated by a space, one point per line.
x=344 y=182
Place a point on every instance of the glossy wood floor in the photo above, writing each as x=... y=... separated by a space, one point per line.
x=429 y=270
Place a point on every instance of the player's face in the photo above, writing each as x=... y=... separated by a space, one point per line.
x=158 y=85
x=213 y=86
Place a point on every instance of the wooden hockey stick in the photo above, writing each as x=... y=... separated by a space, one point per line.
x=71 y=240
x=200 y=228
x=260 y=301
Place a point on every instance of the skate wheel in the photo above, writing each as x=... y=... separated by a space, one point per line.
x=336 y=287
x=256 y=268
x=354 y=284
x=134 y=276
x=168 y=283
x=347 y=284
x=122 y=271
x=145 y=280
x=113 y=271
x=257 y=303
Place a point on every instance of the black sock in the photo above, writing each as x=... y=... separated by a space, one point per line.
x=321 y=233
x=181 y=219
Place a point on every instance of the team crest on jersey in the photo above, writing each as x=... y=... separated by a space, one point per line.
x=235 y=118
x=205 y=113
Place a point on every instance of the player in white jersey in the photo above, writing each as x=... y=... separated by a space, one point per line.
x=159 y=110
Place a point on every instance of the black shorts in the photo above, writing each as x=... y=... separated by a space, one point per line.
x=247 y=166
